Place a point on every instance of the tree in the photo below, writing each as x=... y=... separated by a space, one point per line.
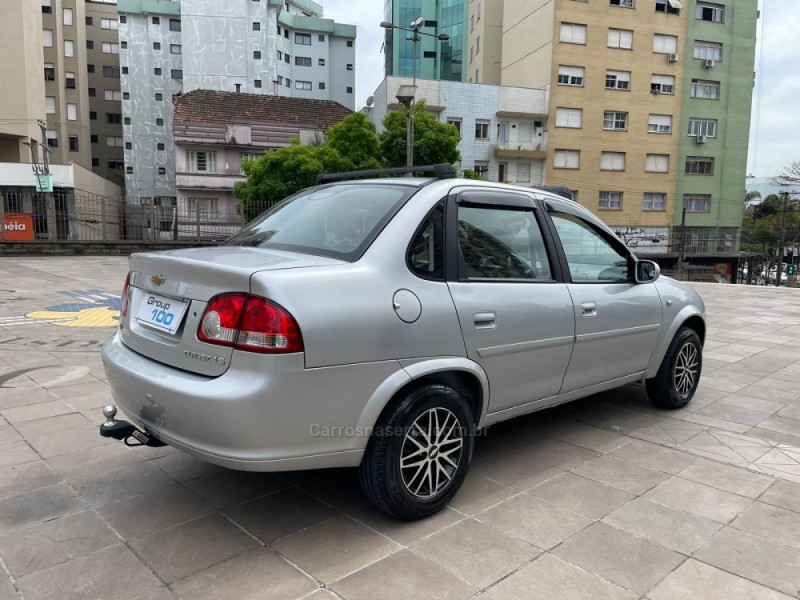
x=750 y=196
x=349 y=145
x=434 y=142
x=789 y=173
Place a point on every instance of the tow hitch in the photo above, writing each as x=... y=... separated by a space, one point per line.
x=123 y=430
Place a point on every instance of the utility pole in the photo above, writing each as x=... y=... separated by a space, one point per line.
x=42 y=173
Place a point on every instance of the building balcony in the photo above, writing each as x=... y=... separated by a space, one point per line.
x=521 y=150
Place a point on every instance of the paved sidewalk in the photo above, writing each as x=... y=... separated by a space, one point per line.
x=604 y=498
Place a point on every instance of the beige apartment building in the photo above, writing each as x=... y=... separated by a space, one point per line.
x=485 y=42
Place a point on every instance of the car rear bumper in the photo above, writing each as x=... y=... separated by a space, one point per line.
x=265 y=413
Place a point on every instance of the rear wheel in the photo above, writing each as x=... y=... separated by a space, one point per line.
x=419 y=453
x=676 y=381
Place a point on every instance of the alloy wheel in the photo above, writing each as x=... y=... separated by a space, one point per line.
x=431 y=452
x=686 y=369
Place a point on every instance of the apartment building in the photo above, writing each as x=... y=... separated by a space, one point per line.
x=429 y=58
x=258 y=47
x=649 y=109
x=503 y=129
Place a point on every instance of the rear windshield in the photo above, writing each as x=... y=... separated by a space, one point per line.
x=339 y=221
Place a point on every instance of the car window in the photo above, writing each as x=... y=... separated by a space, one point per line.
x=426 y=252
x=501 y=243
x=590 y=256
x=338 y=221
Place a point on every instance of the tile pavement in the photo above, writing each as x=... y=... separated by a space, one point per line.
x=605 y=498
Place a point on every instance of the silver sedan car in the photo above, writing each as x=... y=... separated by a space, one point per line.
x=378 y=323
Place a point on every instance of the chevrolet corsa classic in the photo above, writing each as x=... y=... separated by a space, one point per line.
x=378 y=323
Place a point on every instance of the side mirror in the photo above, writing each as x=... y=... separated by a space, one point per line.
x=647 y=271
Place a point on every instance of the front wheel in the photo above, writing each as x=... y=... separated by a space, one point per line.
x=679 y=374
x=419 y=452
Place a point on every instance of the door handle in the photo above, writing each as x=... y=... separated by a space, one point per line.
x=485 y=320
x=589 y=309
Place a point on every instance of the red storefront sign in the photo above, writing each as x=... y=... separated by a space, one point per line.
x=18 y=226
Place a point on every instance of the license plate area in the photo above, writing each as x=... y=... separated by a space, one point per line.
x=161 y=313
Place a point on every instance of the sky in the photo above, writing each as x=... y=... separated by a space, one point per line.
x=775 y=123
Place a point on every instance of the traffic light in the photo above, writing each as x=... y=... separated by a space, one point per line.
x=790 y=270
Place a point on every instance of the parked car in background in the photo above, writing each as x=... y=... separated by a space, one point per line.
x=379 y=323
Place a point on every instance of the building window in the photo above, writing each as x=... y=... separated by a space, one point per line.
x=126 y=95
x=160 y=146
x=90 y=68
x=114 y=141
x=618 y=80
x=159 y=122
x=52 y=138
x=257 y=83
x=286 y=33
x=287 y=58
x=127 y=121
x=69 y=48
x=666 y=6
x=112 y=95
x=570 y=75
x=477 y=45
x=204 y=210
x=93 y=138
x=156 y=45
x=455 y=122
x=89 y=44
x=707 y=51
x=288 y=82
x=654 y=201
x=69 y=80
x=573 y=33
x=481 y=169
x=110 y=48
x=159 y=96
x=176 y=74
x=174 y=48
x=302 y=61
x=349 y=90
x=567 y=159
x=302 y=85
x=707 y=90
x=201 y=162
x=128 y=146
x=610 y=201
x=615 y=120
x=114 y=24
x=157 y=71
x=109 y=71
x=706 y=11
x=95 y=162
x=117 y=164
x=569 y=117
x=349 y=43
x=665 y=44
x=89 y=21
x=321 y=37
x=128 y=170
x=304 y=39
x=256 y=54
x=481 y=129
x=656 y=163
x=49 y=72
x=113 y=118
x=321 y=62
x=706 y=127
x=699 y=165
x=322 y=85
x=47 y=38
x=620 y=38
x=123 y=45
x=93 y=115
x=622 y=3
x=47 y=7
x=349 y=66
x=174 y=24
x=124 y=70
x=162 y=170
x=659 y=124
x=662 y=84
x=612 y=161
x=697 y=202
x=123 y=19
x=523 y=172
x=50 y=105
x=256 y=26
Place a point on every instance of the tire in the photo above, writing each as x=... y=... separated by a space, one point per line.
x=412 y=491
x=676 y=381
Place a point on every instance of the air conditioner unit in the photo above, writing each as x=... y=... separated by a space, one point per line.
x=672 y=57
x=700 y=139
x=709 y=63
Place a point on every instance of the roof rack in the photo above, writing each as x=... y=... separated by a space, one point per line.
x=440 y=171
x=559 y=190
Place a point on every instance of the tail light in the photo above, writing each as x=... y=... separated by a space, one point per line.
x=126 y=297
x=249 y=323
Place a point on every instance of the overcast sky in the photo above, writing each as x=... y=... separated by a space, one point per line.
x=775 y=129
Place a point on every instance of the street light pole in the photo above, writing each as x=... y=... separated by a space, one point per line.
x=407 y=99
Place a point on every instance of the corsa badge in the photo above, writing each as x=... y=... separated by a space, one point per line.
x=158 y=279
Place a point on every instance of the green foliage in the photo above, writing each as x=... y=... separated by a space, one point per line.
x=434 y=142
x=356 y=141
x=769 y=224
x=470 y=174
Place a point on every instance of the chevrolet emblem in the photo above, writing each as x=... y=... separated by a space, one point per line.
x=158 y=279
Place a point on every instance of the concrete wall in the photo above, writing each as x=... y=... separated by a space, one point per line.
x=527 y=42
